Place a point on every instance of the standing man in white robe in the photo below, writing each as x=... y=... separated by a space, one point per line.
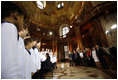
x=12 y=21
x=36 y=54
x=21 y=58
x=36 y=57
x=33 y=66
x=28 y=46
x=54 y=60
x=46 y=51
x=21 y=52
x=40 y=59
x=43 y=54
x=50 y=54
x=32 y=61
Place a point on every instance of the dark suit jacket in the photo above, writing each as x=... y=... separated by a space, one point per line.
x=113 y=51
x=46 y=64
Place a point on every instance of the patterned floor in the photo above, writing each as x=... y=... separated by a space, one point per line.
x=65 y=72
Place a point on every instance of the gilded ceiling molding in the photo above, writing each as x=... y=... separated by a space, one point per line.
x=56 y=26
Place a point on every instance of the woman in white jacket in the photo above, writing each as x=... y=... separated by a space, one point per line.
x=94 y=55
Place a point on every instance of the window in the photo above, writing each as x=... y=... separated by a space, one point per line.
x=65 y=30
x=65 y=48
x=41 y=4
x=66 y=51
x=60 y=5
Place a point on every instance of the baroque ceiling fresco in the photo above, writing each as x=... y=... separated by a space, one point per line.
x=51 y=16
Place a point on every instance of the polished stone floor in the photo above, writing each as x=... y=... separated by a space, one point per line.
x=77 y=72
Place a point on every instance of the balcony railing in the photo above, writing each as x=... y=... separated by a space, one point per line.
x=94 y=11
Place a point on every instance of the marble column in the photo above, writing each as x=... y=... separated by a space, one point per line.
x=101 y=33
x=53 y=46
x=68 y=45
x=71 y=47
x=56 y=48
x=78 y=37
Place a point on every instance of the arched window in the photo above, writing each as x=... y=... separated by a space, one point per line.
x=60 y=5
x=41 y=4
x=65 y=30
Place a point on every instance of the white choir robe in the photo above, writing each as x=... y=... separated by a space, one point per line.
x=36 y=58
x=41 y=59
x=46 y=52
x=51 y=54
x=27 y=65
x=33 y=69
x=43 y=52
x=9 y=51
x=54 y=59
x=21 y=57
x=43 y=55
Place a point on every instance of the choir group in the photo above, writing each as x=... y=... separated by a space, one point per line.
x=21 y=57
